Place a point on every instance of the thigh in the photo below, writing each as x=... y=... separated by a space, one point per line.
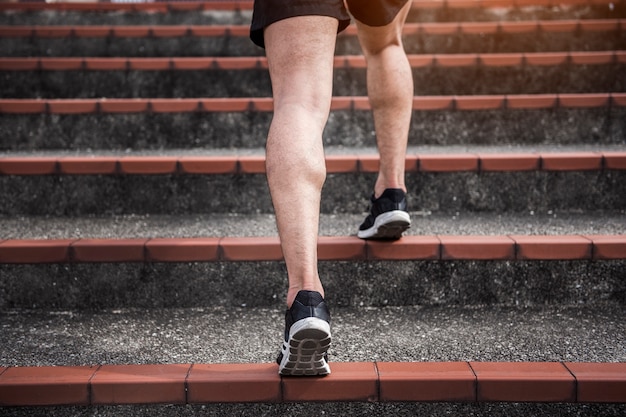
x=300 y=56
x=267 y=12
x=374 y=39
x=375 y=12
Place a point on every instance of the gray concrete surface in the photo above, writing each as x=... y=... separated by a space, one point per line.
x=552 y=222
x=432 y=80
x=333 y=409
x=250 y=335
x=223 y=335
x=348 y=128
x=490 y=192
x=166 y=285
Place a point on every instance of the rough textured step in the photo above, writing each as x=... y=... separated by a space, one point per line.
x=234 y=225
x=341 y=61
x=446 y=183
x=177 y=339
x=245 y=334
x=163 y=285
x=386 y=409
x=155 y=262
x=587 y=72
x=458 y=37
x=569 y=26
x=570 y=336
x=243 y=122
x=176 y=12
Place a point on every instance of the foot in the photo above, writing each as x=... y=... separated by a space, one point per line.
x=307 y=337
x=388 y=217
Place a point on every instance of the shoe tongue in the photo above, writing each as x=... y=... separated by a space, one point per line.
x=309 y=298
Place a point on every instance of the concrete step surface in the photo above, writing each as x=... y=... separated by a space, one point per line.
x=216 y=12
x=158 y=262
x=215 y=334
x=447 y=184
x=244 y=122
x=217 y=225
x=162 y=344
x=234 y=41
x=593 y=72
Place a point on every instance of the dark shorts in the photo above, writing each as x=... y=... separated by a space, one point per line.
x=369 y=12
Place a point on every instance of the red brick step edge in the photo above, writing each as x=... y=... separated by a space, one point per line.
x=335 y=164
x=349 y=381
x=264 y=104
x=330 y=248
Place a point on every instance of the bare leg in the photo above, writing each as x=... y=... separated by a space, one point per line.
x=300 y=58
x=390 y=90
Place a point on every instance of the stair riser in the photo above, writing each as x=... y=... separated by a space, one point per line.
x=145 y=131
x=260 y=284
x=343 y=193
x=242 y=46
x=435 y=13
x=208 y=17
x=255 y=83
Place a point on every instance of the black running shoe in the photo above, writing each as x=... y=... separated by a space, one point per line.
x=388 y=217
x=307 y=336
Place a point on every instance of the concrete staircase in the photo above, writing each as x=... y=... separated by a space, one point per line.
x=140 y=270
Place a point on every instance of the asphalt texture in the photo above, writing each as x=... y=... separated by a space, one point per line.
x=547 y=333
x=549 y=222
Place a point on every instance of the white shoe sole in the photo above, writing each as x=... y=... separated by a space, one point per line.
x=305 y=352
x=389 y=225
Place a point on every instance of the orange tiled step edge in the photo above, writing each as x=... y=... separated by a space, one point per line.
x=434 y=28
x=150 y=165
x=434 y=247
x=176 y=105
x=166 y=6
x=349 y=381
x=344 y=62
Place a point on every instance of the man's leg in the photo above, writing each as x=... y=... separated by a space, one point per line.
x=390 y=91
x=300 y=58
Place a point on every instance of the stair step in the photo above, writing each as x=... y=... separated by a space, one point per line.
x=180 y=77
x=354 y=381
x=243 y=123
x=216 y=11
x=186 y=228
x=179 y=261
x=446 y=192
x=570 y=26
x=576 y=343
x=187 y=182
x=233 y=40
x=341 y=61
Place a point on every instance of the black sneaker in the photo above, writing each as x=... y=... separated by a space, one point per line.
x=388 y=217
x=307 y=336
